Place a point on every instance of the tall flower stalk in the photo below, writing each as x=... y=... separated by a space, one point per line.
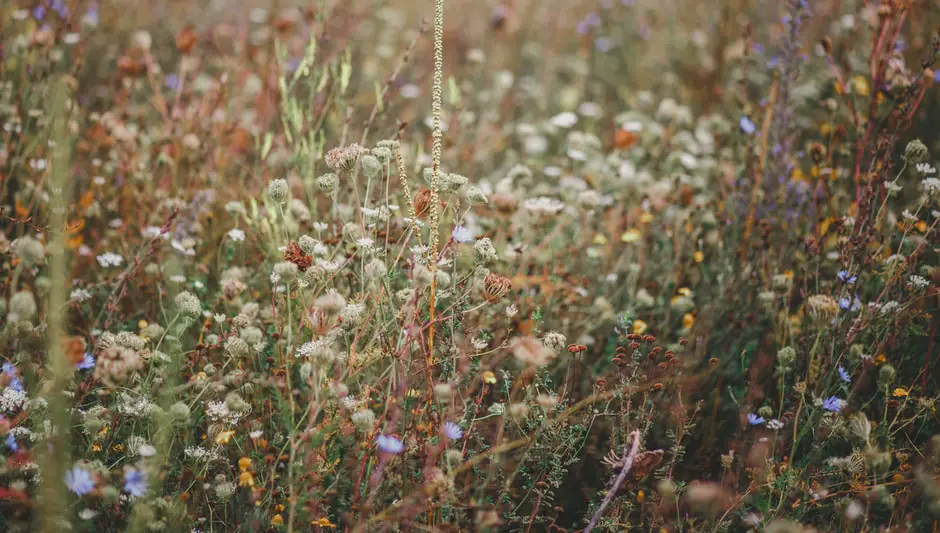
x=436 y=103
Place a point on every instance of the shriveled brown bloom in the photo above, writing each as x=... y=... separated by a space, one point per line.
x=495 y=287
x=422 y=203
x=186 y=39
x=296 y=255
x=116 y=364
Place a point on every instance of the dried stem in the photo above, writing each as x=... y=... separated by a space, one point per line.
x=627 y=465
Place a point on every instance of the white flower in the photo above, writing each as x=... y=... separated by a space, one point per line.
x=80 y=295
x=236 y=235
x=365 y=243
x=110 y=259
x=479 y=343
x=926 y=168
x=543 y=205
x=147 y=450
x=931 y=185
x=565 y=119
x=275 y=278
x=462 y=234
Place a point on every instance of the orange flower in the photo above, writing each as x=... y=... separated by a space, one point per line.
x=899 y=392
x=244 y=464
x=245 y=479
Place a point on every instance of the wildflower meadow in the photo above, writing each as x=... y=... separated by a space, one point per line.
x=469 y=265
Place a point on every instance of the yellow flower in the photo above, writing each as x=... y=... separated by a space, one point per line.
x=96 y=447
x=899 y=392
x=880 y=359
x=244 y=464
x=323 y=522
x=489 y=377
x=639 y=327
x=631 y=235
x=698 y=256
x=224 y=436
x=640 y=496
x=646 y=217
x=684 y=291
x=688 y=320
x=600 y=239
x=142 y=324
x=861 y=85
x=245 y=479
x=277 y=520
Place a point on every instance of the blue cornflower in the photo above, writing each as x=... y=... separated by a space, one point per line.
x=11 y=443
x=833 y=403
x=390 y=444
x=79 y=481
x=87 y=362
x=13 y=374
x=747 y=125
x=843 y=373
x=755 y=420
x=462 y=234
x=849 y=304
x=135 y=482
x=847 y=277
x=453 y=431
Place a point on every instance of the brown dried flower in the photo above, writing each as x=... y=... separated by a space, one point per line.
x=495 y=287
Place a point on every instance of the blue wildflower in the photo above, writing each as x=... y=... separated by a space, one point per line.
x=453 y=431
x=390 y=444
x=847 y=277
x=833 y=403
x=755 y=420
x=11 y=443
x=844 y=375
x=135 y=482
x=79 y=481
x=747 y=126
x=87 y=362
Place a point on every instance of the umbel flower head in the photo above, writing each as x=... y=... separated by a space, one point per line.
x=495 y=287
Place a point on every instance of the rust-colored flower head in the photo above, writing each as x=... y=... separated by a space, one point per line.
x=495 y=287
x=296 y=255
x=186 y=40
x=422 y=203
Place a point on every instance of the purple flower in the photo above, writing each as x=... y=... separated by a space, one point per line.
x=39 y=12
x=755 y=420
x=453 y=431
x=462 y=234
x=11 y=443
x=390 y=444
x=172 y=82
x=79 y=481
x=747 y=125
x=833 y=403
x=87 y=362
x=847 y=277
x=135 y=482
x=844 y=375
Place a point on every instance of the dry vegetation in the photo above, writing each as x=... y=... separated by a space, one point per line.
x=450 y=265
